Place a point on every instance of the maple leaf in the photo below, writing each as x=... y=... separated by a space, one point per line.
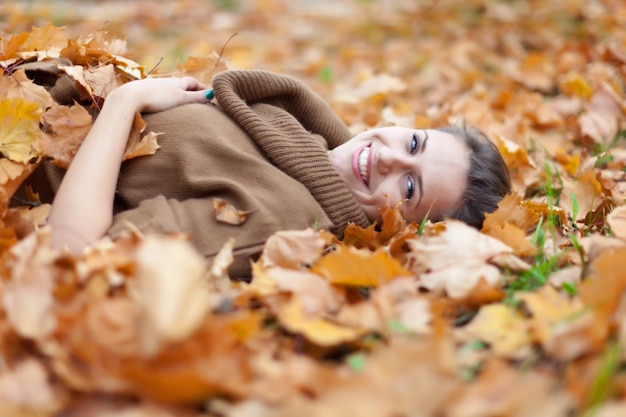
x=373 y=237
x=353 y=267
x=19 y=86
x=44 y=42
x=318 y=330
x=138 y=144
x=19 y=127
x=65 y=129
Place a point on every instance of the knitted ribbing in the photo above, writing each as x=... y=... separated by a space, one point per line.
x=285 y=118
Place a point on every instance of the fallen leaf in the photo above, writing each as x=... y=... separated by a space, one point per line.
x=293 y=249
x=64 y=131
x=349 y=266
x=19 y=127
x=171 y=292
x=318 y=330
x=227 y=213
x=503 y=329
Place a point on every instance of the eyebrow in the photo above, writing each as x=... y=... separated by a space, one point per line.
x=424 y=141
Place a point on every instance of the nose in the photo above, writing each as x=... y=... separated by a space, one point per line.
x=389 y=159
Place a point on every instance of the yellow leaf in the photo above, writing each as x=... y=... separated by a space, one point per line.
x=349 y=266
x=19 y=127
x=575 y=85
x=319 y=331
x=505 y=330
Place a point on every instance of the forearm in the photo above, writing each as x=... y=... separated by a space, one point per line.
x=82 y=210
x=83 y=207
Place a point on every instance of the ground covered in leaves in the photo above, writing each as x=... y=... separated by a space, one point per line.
x=526 y=317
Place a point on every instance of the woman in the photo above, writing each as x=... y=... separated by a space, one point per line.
x=269 y=146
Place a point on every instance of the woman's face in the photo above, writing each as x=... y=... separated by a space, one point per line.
x=427 y=169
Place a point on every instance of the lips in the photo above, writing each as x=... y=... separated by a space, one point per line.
x=361 y=163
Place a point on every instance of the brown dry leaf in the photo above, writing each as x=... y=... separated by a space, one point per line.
x=28 y=298
x=514 y=237
x=19 y=127
x=392 y=383
x=12 y=174
x=536 y=71
x=293 y=249
x=586 y=192
x=453 y=256
x=522 y=168
x=320 y=331
x=606 y=282
x=45 y=42
x=564 y=326
x=26 y=391
x=138 y=144
x=500 y=390
x=202 y=68
x=10 y=48
x=19 y=86
x=171 y=292
x=600 y=127
x=617 y=221
x=228 y=214
x=314 y=292
x=65 y=129
x=513 y=211
x=354 y=267
x=213 y=363
x=102 y=80
x=392 y=223
x=503 y=329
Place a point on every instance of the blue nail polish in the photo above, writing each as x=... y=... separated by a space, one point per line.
x=209 y=94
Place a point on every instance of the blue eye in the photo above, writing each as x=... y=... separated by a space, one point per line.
x=414 y=143
x=410 y=188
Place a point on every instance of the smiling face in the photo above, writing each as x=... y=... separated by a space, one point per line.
x=427 y=169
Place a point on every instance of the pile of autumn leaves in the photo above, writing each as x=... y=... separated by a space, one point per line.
x=401 y=320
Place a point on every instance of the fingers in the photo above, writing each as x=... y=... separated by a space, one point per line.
x=191 y=84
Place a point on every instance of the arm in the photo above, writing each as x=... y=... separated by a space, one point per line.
x=82 y=210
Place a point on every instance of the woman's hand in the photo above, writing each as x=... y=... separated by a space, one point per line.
x=151 y=95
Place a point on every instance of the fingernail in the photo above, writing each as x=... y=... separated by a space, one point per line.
x=209 y=94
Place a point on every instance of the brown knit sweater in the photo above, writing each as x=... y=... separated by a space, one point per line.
x=262 y=147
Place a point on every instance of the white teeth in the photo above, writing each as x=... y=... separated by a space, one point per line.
x=363 y=163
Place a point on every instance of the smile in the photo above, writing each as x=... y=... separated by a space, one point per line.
x=361 y=162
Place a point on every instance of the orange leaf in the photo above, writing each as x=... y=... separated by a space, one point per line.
x=352 y=267
x=319 y=331
x=65 y=129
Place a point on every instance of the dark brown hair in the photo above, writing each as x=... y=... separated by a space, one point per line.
x=488 y=179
